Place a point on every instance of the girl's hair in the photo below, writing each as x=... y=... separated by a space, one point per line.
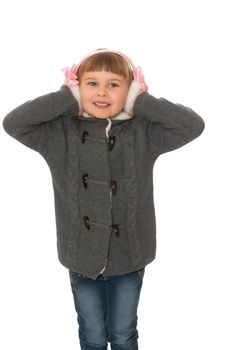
x=108 y=61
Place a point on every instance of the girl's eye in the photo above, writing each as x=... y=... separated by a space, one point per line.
x=113 y=84
x=92 y=83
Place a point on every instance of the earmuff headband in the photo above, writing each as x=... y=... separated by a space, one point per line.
x=71 y=73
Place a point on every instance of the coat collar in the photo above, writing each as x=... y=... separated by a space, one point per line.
x=121 y=116
x=114 y=120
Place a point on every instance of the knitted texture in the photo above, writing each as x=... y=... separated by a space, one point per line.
x=103 y=184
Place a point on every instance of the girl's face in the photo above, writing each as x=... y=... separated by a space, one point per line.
x=103 y=94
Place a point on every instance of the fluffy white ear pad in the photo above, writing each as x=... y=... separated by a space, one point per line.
x=133 y=92
x=76 y=93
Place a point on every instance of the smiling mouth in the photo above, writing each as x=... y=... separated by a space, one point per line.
x=101 y=105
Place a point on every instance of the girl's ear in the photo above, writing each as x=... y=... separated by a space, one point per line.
x=133 y=92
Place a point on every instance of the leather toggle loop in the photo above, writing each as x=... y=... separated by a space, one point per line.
x=114 y=187
x=115 y=229
x=84 y=136
x=85 y=180
x=86 y=222
x=111 y=142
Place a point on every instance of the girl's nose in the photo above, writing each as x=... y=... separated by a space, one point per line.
x=102 y=91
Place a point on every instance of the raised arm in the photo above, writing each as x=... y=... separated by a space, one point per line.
x=31 y=122
x=170 y=125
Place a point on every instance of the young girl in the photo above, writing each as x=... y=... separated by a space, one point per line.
x=100 y=135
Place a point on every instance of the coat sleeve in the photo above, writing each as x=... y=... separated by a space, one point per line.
x=170 y=125
x=32 y=122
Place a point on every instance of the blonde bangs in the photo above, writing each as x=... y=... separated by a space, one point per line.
x=110 y=62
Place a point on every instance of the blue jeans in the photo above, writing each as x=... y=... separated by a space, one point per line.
x=107 y=310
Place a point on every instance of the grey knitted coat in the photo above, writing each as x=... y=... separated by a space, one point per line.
x=102 y=175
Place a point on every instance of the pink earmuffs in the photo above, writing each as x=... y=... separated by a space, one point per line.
x=137 y=86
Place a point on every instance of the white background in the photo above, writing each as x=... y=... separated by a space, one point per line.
x=185 y=50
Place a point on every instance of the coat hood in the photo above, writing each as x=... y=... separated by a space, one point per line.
x=120 y=116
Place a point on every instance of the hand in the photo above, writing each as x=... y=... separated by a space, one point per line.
x=70 y=75
x=139 y=76
x=71 y=80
